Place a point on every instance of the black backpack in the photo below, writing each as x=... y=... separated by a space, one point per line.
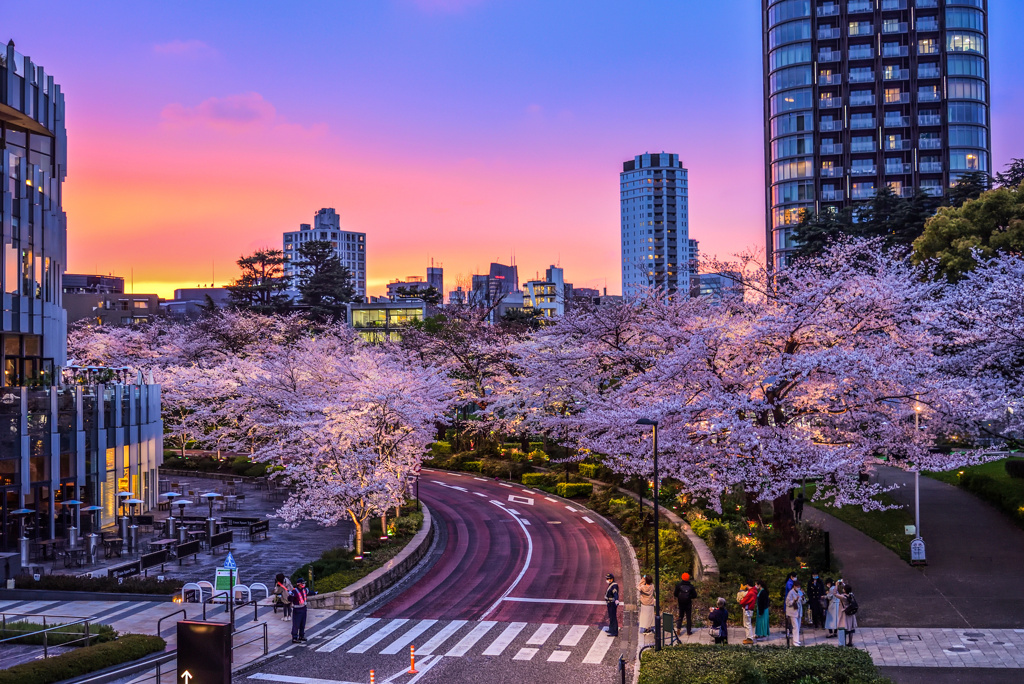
x=851 y=605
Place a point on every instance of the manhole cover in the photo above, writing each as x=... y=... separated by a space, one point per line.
x=973 y=634
x=972 y=640
x=998 y=643
x=909 y=637
x=958 y=649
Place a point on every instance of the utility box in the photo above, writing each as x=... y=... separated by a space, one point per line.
x=204 y=652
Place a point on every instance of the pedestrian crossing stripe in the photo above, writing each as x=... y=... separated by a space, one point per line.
x=520 y=641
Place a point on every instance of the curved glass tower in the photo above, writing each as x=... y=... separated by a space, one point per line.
x=865 y=93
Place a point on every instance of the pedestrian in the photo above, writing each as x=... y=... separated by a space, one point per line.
x=611 y=599
x=848 y=609
x=790 y=578
x=298 y=599
x=764 y=601
x=798 y=507
x=816 y=596
x=832 y=611
x=795 y=610
x=282 y=587
x=718 y=618
x=646 y=590
x=685 y=593
x=748 y=603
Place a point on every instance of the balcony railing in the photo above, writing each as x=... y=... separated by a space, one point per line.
x=830 y=80
x=895 y=51
x=829 y=56
x=897 y=98
x=832 y=195
x=898 y=145
x=897 y=169
x=927 y=24
x=863 y=193
x=863 y=147
x=862 y=124
x=862 y=100
x=831 y=149
x=864 y=171
x=856 y=6
x=895 y=74
x=893 y=5
x=928 y=96
x=861 y=30
x=926 y=4
x=894 y=27
x=929 y=120
x=929 y=144
x=855 y=53
x=831 y=172
x=931 y=167
x=897 y=122
x=928 y=71
x=828 y=33
x=828 y=11
x=827 y=126
x=830 y=102
x=933 y=190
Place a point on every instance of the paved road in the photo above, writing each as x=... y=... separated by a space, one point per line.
x=513 y=595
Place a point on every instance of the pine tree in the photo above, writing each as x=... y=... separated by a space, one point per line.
x=325 y=284
x=261 y=286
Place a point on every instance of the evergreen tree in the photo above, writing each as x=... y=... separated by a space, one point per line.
x=261 y=286
x=1013 y=176
x=325 y=284
x=815 y=231
x=431 y=296
x=969 y=187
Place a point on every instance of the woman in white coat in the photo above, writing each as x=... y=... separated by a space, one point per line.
x=832 y=609
x=846 y=620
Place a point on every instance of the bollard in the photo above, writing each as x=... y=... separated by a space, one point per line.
x=373 y=678
x=622 y=668
x=412 y=660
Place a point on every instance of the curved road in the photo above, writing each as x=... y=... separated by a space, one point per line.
x=513 y=593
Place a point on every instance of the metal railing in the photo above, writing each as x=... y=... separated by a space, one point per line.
x=161 y=620
x=266 y=647
x=45 y=631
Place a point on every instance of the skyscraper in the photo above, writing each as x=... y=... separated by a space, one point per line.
x=349 y=246
x=860 y=94
x=653 y=195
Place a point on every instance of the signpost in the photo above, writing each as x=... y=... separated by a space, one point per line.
x=204 y=652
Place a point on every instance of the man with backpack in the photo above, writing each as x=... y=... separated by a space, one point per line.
x=685 y=593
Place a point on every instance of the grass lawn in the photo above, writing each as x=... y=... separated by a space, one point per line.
x=885 y=527
x=991 y=483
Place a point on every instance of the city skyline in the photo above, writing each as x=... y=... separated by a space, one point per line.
x=484 y=128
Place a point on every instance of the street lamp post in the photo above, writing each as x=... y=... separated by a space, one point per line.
x=917 y=552
x=657 y=539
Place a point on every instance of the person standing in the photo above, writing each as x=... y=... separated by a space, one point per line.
x=298 y=599
x=748 y=604
x=848 y=609
x=795 y=610
x=282 y=588
x=816 y=596
x=611 y=599
x=798 y=507
x=832 y=611
x=718 y=618
x=790 y=578
x=646 y=591
x=764 y=601
x=685 y=593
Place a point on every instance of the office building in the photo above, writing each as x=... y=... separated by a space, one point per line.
x=80 y=283
x=860 y=94
x=111 y=308
x=716 y=285
x=65 y=434
x=653 y=196
x=416 y=284
x=385 y=321
x=550 y=295
x=190 y=303
x=349 y=246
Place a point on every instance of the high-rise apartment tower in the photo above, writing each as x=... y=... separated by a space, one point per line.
x=350 y=247
x=860 y=94
x=653 y=192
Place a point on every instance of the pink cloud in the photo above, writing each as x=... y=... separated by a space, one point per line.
x=246 y=110
x=184 y=48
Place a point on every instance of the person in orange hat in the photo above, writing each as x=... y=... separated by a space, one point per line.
x=685 y=593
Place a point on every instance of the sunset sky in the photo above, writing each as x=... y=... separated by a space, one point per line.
x=455 y=130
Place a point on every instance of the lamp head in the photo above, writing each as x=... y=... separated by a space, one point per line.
x=646 y=421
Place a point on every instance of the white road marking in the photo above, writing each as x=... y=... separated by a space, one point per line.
x=287 y=679
x=377 y=636
x=505 y=485
x=482 y=479
x=499 y=645
x=548 y=498
x=525 y=654
x=520 y=499
x=597 y=651
x=577 y=602
x=407 y=638
x=437 y=482
x=402 y=673
x=514 y=511
x=479 y=494
x=524 y=521
x=526 y=564
x=462 y=648
x=559 y=656
x=542 y=634
x=337 y=641
x=442 y=636
x=573 y=636
x=588 y=520
x=455 y=474
x=424 y=669
x=571 y=509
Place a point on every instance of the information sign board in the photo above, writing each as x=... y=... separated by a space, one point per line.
x=204 y=652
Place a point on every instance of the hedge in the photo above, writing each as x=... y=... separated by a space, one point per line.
x=702 y=664
x=98 y=633
x=534 y=479
x=588 y=470
x=571 y=489
x=83 y=660
x=472 y=466
x=1014 y=468
x=130 y=585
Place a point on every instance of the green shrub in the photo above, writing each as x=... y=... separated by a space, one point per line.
x=536 y=446
x=207 y=465
x=240 y=465
x=709 y=529
x=700 y=664
x=504 y=469
x=573 y=489
x=471 y=466
x=1014 y=468
x=537 y=456
x=535 y=479
x=441 y=449
x=130 y=585
x=588 y=470
x=83 y=660
x=98 y=633
x=256 y=470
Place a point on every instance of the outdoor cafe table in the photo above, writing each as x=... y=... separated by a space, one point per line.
x=161 y=544
x=47 y=546
x=74 y=558
x=113 y=546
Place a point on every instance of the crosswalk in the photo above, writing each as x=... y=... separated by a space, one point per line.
x=519 y=641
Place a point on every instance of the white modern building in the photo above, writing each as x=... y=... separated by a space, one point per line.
x=655 y=224
x=548 y=295
x=348 y=245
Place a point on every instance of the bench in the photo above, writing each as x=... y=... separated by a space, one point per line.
x=222 y=539
x=261 y=527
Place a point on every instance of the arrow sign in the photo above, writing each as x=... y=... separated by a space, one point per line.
x=229 y=562
x=187 y=676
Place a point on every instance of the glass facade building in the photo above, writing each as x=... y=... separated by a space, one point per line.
x=653 y=196
x=865 y=93
x=63 y=435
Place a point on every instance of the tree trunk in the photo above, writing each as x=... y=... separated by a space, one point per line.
x=384 y=524
x=753 y=506
x=359 y=532
x=782 y=518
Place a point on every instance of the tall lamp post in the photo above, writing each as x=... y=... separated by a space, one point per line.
x=657 y=539
x=917 y=552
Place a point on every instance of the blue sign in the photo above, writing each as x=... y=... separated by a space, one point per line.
x=229 y=562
